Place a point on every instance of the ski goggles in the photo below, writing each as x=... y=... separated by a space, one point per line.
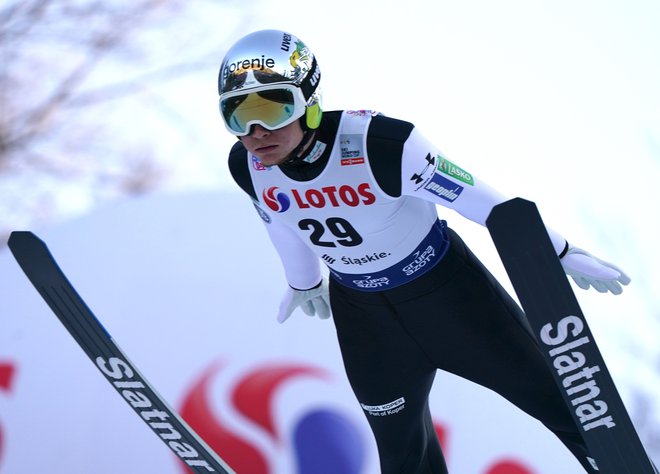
x=272 y=107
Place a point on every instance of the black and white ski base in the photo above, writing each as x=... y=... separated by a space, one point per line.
x=566 y=341
x=43 y=271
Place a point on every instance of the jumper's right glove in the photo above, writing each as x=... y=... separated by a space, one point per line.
x=316 y=300
x=587 y=270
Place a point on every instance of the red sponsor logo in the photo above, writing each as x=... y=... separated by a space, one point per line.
x=256 y=164
x=334 y=196
x=322 y=438
x=7 y=371
x=352 y=161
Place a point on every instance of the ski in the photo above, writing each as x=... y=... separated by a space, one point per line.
x=44 y=273
x=565 y=339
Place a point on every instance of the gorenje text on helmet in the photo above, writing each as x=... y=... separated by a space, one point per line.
x=248 y=64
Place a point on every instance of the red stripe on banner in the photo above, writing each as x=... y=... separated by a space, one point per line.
x=7 y=371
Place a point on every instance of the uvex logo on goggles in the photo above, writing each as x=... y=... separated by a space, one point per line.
x=272 y=107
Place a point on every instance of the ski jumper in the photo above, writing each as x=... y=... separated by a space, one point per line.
x=407 y=295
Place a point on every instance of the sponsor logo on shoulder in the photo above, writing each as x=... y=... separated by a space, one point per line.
x=443 y=188
x=447 y=167
x=422 y=177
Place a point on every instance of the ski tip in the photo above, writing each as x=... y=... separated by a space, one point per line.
x=23 y=240
x=18 y=234
x=511 y=207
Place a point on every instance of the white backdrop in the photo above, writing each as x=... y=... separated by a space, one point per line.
x=188 y=285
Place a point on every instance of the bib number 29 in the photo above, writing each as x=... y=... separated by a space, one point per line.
x=343 y=233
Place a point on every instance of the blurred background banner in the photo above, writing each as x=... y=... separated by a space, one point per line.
x=111 y=148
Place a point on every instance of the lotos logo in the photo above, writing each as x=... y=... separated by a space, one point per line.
x=334 y=196
x=322 y=439
x=276 y=201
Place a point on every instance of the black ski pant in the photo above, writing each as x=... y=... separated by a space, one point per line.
x=457 y=318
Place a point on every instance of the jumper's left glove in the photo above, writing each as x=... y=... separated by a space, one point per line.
x=587 y=270
x=313 y=301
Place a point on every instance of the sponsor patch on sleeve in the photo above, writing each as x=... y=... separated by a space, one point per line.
x=450 y=169
x=443 y=188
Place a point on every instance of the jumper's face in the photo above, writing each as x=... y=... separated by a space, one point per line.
x=273 y=147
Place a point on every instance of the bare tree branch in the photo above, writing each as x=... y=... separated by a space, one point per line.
x=66 y=68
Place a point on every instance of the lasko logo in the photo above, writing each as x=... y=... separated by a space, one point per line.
x=334 y=196
x=449 y=168
x=276 y=201
x=443 y=188
x=578 y=385
x=258 y=64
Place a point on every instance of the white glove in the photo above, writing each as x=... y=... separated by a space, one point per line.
x=587 y=270
x=313 y=301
